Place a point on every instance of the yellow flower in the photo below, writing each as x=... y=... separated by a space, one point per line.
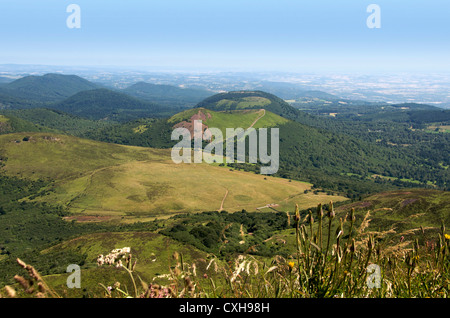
x=291 y=264
x=447 y=236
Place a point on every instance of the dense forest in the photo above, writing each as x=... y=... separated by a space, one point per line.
x=167 y=95
x=225 y=234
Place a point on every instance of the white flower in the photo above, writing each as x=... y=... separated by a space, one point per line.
x=111 y=258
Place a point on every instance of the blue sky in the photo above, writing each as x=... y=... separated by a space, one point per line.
x=285 y=35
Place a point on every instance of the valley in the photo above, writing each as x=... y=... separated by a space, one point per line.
x=213 y=157
x=86 y=169
x=134 y=183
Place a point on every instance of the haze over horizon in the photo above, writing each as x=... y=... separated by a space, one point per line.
x=248 y=35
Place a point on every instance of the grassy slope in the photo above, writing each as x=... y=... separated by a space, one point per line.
x=94 y=178
x=153 y=253
x=232 y=119
x=395 y=219
x=404 y=210
x=389 y=216
x=393 y=215
x=245 y=103
x=249 y=100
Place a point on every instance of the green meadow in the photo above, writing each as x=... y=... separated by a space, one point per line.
x=232 y=119
x=124 y=183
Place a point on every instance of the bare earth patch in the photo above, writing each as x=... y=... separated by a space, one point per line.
x=87 y=218
x=190 y=124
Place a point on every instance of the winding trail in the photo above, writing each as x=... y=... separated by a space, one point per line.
x=223 y=201
x=251 y=126
x=90 y=176
x=257 y=119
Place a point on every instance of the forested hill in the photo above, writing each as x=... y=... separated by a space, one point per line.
x=11 y=124
x=107 y=104
x=249 y=100
x=8 y=101
x=47 y=88
x=167 y=94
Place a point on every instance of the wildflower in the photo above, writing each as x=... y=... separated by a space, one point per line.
x=291 y=265
x=100 y=260
x=447 y=236
x=110 y=259
x=165 y=293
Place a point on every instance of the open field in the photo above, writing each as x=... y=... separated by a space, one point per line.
x=438 y=128
x=112 y=182
x=151 y=189
x=246 y=102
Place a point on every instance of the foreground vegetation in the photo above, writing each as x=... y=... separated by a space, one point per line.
x=332 y=258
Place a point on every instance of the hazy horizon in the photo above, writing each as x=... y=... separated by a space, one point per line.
x=246 y=35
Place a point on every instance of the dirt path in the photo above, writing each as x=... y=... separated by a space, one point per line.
x=223 y=201
x=257 y=119
x=251 y=126
x=89 y=183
